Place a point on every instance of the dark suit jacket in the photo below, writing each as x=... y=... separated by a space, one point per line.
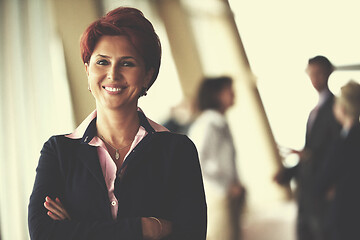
x=161 y=177
x=342 y=171
x=318 y=140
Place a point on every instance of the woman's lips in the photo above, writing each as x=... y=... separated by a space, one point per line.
x=114 y=90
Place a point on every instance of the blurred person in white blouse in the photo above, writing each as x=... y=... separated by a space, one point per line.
x=212 y=137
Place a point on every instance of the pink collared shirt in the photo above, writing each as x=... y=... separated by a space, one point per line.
x=107 y=164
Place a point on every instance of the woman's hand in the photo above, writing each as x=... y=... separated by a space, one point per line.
x=235 y=191
x=155 y=228
x=304 y=154
x=56 y=209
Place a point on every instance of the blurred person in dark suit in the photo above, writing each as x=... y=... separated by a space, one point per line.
x=321 y=130
x=340 y=176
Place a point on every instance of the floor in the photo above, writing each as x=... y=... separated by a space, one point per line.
x=275 y=222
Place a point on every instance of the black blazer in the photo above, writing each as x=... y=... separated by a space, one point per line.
x=317 y=143
x=341 y=170
x=324 y=130
x=318 y=140
x=161 y=177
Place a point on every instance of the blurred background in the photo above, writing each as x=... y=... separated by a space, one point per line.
x=263 y=45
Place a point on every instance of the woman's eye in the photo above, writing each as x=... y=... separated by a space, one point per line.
x=128 y=64
x=102 y=62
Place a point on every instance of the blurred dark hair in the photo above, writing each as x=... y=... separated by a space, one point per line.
x=208 y=93
x=323 y=62
x=129 y=22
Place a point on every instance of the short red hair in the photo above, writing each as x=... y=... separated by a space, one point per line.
x=128 y=22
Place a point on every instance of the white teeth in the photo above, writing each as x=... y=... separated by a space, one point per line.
x=113 y=89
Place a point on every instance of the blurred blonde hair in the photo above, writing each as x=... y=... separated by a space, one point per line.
x=350 y=98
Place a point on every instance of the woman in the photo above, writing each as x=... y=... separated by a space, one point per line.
x=211 y=135
x=340 y=177
x=119 y=175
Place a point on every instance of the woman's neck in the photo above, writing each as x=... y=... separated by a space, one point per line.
x=117 y=126
x=222 y=110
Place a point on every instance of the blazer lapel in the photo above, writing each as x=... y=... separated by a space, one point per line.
x=137 y=150
x=89 y=156
x=322 y=114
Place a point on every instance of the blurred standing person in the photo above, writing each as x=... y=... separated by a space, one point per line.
x=212 y=137
x=180 y=117
x=321 y=130
x=340 y=176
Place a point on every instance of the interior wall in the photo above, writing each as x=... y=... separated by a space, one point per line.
x=222 y=53
x=35 y=103
x=72 y=18
x=182 y=42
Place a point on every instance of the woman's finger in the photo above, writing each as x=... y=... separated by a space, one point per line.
x=62 y=207
x=53 y=216
x=52 y=206
x=55 y=208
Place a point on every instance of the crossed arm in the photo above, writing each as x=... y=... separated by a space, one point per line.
x=152 y=228
x=52 y=218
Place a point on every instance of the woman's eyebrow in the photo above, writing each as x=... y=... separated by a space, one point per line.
x=123 y=57
x=128 y=57
x=102 y=55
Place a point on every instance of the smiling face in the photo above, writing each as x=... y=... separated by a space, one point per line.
x=116 y=73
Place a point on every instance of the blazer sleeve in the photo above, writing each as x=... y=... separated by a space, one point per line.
x=188 y=208
x=332 y=168
x=49 y=181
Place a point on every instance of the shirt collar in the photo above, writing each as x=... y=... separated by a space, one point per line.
x=216 y=117
x=87 y=129
x=323 y=96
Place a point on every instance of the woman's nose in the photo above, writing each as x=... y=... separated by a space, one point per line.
x=114 y=74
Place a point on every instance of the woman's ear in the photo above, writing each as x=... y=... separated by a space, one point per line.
x=87 y=69
x=87 y=73
x=148 y=77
